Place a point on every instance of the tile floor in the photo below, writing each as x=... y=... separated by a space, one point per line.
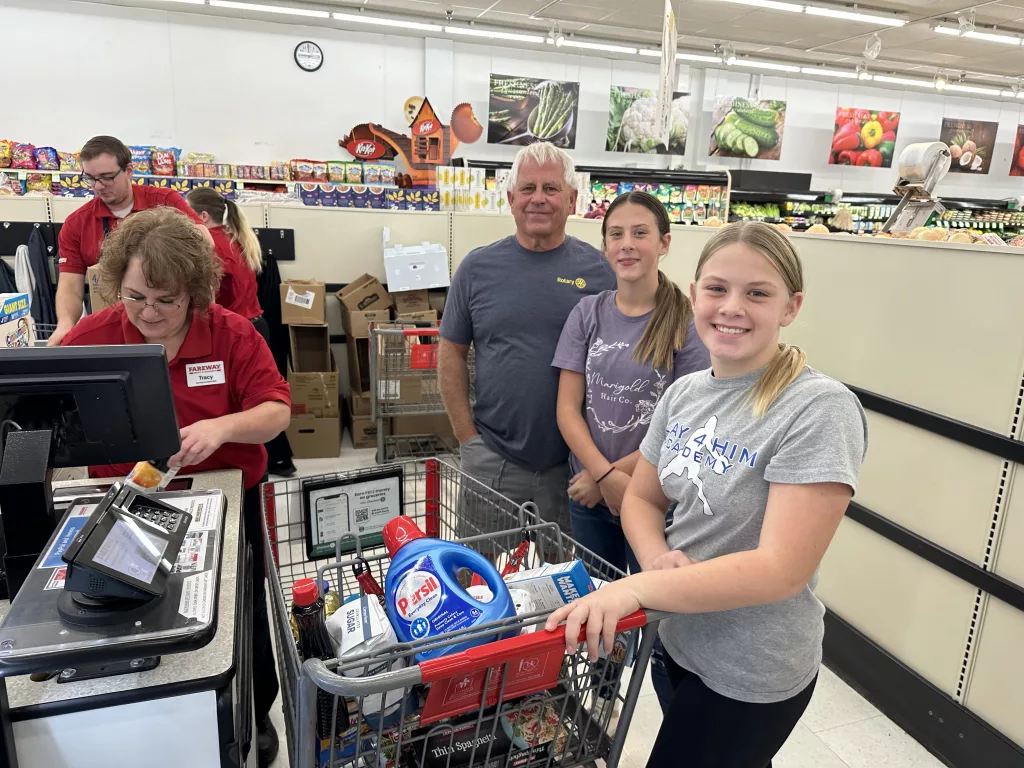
x=839 y=730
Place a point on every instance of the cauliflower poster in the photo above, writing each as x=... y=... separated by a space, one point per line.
x=523 y=110
x=864 y=137
x=747 y=128
x=631 y=118
x=970 y=144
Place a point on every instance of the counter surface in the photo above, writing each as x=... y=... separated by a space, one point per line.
x=210 y=661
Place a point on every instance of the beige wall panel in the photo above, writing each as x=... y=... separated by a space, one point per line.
x=338 y=245
x=938 y=488
x=22 y=209
x=1009 y=560
x=253 y=213
x=681 y=260
x=472 y=230
x=896 y=318
x=996 y=691
x=914 y=610
x=64 y=206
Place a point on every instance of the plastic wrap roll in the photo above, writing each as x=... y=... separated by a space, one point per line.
x=917 y=159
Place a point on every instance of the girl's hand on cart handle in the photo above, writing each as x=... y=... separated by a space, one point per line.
x=671 y=559
x=583 y=490
x=600 y=611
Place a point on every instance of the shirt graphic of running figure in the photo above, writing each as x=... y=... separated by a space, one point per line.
x=697 y=453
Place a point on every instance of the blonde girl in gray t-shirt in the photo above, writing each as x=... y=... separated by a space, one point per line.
x=760 y=454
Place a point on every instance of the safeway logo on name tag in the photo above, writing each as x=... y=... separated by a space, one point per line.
x=205 y=374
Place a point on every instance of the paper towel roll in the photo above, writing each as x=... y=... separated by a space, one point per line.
x=917 y=159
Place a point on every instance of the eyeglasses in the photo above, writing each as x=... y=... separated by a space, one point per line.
x=106 y=178
x=160 y=305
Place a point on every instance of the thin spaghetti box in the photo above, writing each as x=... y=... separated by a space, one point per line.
x=553 y=586
x=16 y=328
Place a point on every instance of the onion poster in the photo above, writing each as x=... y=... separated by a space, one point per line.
x=864 y=137
x=631 y=117
x=1017 y=161
x=746 y=128
x=970 y=144
x=522 y=110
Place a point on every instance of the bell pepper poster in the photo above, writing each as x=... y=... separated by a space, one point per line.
x=749 y=129
x=1017 y=162
x=970 y=144
x=523 y=110
x=631 y=117
x=864 y=137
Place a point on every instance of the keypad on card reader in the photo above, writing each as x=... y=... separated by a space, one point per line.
x=161 y=517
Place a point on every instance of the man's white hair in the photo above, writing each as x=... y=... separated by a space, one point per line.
x=542 y=152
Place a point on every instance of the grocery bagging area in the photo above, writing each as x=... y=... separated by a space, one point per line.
x=393 y=286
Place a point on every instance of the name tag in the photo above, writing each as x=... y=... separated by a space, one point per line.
x=205 y=374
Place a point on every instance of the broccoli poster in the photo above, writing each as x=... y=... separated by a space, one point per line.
x=1017 y=161
x=523 y=110
x=631 y=116
x=970 y=144
x=746 y=128
x=864 y=137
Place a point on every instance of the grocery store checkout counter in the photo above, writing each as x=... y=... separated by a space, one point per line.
x=126 y=640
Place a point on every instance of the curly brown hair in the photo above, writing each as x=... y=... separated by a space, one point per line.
x=175 y=256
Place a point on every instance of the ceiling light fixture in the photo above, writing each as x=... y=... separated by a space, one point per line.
x=864 y=18
x=988 y=37
x=728 y=54
x=965 y=24
x=845 y=73
x=563 y=42
x=972 y=89
x=187 y=2
x=287 y=11
x=752 y=64
x=940 y=82
x=472 y=32
x=359 y=18
x=862 y=71
x=873 y=47
x=699 y=57
x=771 y=5
x=903 y=81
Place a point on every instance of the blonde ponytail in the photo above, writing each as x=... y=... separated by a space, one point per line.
x=242 y=234
x=666 y=332
x=782 y=371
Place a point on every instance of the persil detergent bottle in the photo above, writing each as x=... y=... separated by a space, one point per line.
x=424 y=597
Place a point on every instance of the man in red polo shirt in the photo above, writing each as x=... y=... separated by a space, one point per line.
x=107 y=169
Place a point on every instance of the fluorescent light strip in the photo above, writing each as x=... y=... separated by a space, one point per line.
x=699 y=57
x=270 y=9
x=848 y=74
x=972 y=89
x=563 y=43
x=865 y=18
x=765 y=65
x=187 y=2
x=904 y=81
x=471 y=32
x=359 y=18
x=772 y=5
x=990 y=37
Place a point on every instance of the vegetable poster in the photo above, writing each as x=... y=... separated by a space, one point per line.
x=864 y=137
x=746 y=128
x=523 y=110
x=970 y=144
x=631 y=117
x=1017 y=161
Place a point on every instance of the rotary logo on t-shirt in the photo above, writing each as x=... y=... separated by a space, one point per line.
x=205 y=374
x=702 y=451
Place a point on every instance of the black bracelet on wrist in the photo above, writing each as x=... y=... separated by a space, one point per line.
x=602 y=477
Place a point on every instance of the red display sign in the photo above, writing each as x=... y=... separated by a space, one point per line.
x=365 y=149
x=424 y=127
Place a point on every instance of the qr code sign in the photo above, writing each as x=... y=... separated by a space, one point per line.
x=362 y=515
x=389 y=390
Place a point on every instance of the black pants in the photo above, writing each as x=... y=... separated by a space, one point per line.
x=703 y=729
x=264 y=669
x=279 y=450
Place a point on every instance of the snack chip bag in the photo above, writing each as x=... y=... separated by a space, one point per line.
x=336 y=171
x=6 y=153
x=38 y=182
x=9 y=185
x=387 y=173
x=142 y=160
x=354 y=173
x=46 y=159
x=69 y=161
x=371 y=173
x=165 y=161
x=23 y=156
x=302 y=170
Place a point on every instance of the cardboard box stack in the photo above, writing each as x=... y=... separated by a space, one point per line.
x=315 y=429
x=363 y=301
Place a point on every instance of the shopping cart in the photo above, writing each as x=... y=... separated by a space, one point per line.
x=520 y=701
x=43 y=333
x=403 y=380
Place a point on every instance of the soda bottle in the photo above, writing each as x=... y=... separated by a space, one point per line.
x=315 y=643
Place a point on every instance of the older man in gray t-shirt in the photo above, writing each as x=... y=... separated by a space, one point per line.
x=510 y=301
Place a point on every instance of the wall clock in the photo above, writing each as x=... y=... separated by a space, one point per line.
x=308 y=56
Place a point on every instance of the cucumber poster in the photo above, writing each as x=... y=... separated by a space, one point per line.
x=631 y=114
x=864 y=137
x=970 y=142
x=747 y=128
x=522 y=110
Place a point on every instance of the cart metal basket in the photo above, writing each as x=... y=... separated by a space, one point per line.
x=403 y=380
x=519 y=701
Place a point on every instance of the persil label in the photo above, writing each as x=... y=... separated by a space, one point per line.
x=417 y=597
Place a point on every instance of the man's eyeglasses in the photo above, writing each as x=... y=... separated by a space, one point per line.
x=103 y=178
x=160 y=305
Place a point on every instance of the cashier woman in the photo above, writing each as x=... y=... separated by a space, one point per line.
x=229 y=396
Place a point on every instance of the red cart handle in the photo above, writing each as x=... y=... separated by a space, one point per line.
x=431 y=331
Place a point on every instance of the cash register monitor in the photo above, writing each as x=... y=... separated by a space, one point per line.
x=71 y=407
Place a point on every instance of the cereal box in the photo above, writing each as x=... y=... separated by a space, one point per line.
x=16 y=328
